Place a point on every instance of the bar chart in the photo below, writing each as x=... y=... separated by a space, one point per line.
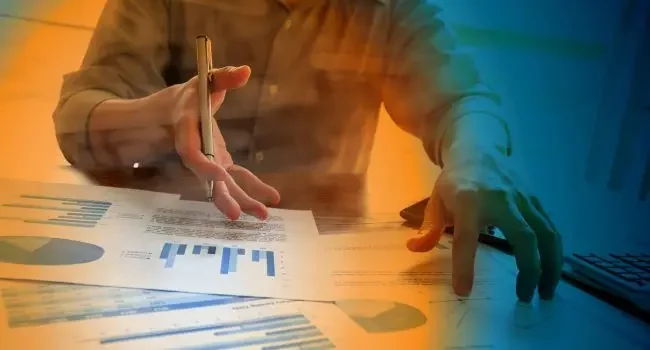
x=35 y=304
x=284 y=331
x=228 y=257
x=53 y=210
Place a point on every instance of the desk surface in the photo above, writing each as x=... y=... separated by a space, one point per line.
x=29 y=151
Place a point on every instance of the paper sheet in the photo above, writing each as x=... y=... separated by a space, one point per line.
x=191 y=219
x=91 y=208
x=321 y=269
x=59 y=316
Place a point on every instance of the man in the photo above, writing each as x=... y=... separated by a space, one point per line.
x=304 y=80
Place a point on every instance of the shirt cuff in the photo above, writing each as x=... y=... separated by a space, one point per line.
x=468 y=107
x=72 y=123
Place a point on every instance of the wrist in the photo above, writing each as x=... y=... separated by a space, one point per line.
x=476 y=133
x=122 y=130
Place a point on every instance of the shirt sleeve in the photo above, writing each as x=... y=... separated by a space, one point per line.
x=430 y=82
x=125 y=59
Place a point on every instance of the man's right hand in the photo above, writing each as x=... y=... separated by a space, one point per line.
x=236 y=189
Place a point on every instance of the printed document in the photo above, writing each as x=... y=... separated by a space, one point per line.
x=321 y=269
x=60 y=316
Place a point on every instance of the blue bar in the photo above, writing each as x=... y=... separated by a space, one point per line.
x=196 y=250
x=169 y=305
x=181 y=249
x=256 y=255
x=187 y=330
x=63 y=199
x=73 y=220
x=58 y=223
x=96 y=216
x=326 y=344
x=172 y=255
x=270 y=264
x=233 y=262
x=258 y=341
x=25 y=206
x=78 y=218
x=94 y=209
x=262 y=327
x=165 y=251
x=292 y=330
x=212 y=250
x=225 y=261
x=241 y=251
x=86 y=204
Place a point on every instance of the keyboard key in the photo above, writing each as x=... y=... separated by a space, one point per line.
x=604 y=264
x=617 y=270
x=630 y=276
x=590 y=258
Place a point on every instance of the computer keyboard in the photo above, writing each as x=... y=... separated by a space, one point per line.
x=632 y=268
x=625 y=275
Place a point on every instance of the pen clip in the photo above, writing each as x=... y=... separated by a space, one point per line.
x=204 y=56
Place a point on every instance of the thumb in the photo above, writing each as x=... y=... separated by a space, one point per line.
x=229 y=77
x=432 y=227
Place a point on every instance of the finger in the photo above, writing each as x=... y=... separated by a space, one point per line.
x=255 y=187
x=188 y=146
x=467 y=225
x=550 y=246
x=524 y=245
x=224 y=201
x=246 y=203
x=432 y=227
x=227 y=78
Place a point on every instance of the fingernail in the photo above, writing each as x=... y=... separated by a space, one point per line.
x=413 y=244
x=525 y=288
x=462 y=289
x=262 y=215
x=546 y=293
x=524 y=295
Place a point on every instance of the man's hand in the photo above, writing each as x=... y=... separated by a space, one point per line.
x=236 y=189
x=477 y=187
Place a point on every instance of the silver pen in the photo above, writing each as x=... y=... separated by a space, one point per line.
x=204 y=66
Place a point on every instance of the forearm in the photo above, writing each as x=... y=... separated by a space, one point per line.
x=98 y=130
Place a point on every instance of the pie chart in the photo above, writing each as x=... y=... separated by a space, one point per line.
x=46 y=251
x=382 y=316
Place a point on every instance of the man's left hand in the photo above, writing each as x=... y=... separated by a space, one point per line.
x=477 y=187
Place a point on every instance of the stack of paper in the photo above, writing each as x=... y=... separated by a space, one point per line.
x=122 y=268
x=95 y=267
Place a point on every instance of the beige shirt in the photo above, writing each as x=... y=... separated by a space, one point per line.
x=320 y=71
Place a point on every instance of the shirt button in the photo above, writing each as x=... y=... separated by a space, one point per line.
x=287 y=24
x=259 y=156
x=273 y=90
